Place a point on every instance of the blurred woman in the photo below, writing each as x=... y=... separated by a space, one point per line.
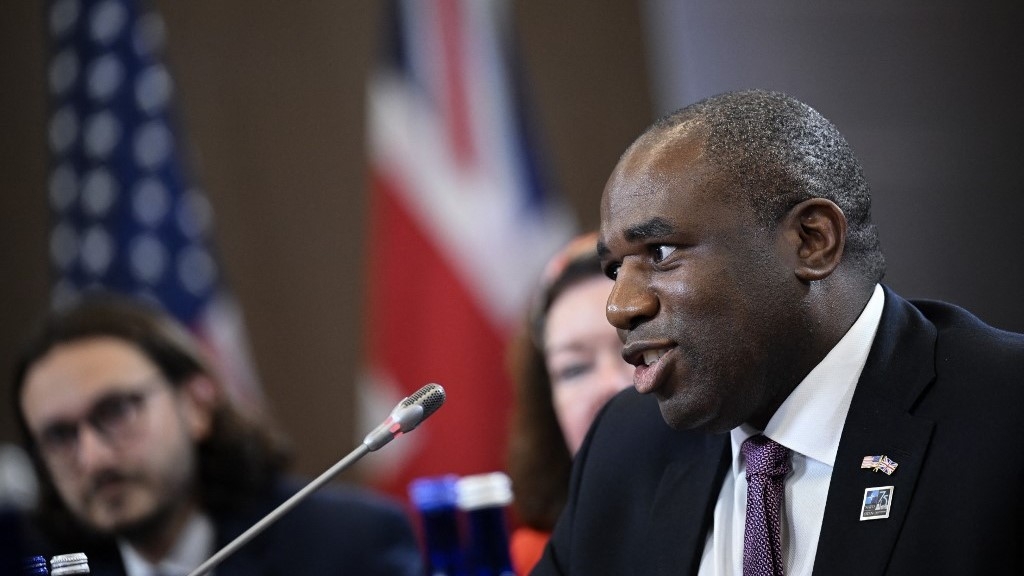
x=566 y=363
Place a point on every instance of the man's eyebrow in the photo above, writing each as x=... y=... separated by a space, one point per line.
x=106 y=397
x=653 y=228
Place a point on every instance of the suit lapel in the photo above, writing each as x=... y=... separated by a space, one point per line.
x=675 y=542
x=249 y=559
x=898 y=370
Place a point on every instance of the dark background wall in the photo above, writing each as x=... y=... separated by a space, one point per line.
x=273 y=100
x=928 y=94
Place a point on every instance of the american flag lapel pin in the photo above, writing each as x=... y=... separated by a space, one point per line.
x=879 y=463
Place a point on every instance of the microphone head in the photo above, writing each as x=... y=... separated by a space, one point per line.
x=409 y=414
x=429 y=397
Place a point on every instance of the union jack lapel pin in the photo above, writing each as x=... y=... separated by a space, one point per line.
x=879 y=463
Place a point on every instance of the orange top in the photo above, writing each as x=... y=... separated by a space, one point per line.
x=527 y=546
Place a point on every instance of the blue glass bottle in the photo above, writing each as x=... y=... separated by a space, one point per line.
x=484 y=498
x=35 y=566
x=435 y=500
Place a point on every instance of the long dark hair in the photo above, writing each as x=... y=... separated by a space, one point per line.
x=236 y=461
x=539 y=461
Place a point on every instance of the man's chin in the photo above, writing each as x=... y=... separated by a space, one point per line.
x=678 y=420
x=682 y=417
x=123 y=519
x=113 y=525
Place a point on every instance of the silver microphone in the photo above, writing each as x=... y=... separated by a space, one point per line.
x=409 y=413
x=406 y=416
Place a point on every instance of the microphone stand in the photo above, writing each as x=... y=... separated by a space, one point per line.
x=281 y=510
x=404 y=418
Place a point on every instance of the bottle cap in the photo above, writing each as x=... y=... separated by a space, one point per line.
x=433 y=493
x=35 y=565
x=484 y=490
x=64 y=564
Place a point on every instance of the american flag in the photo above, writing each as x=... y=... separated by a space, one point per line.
x=879 y=463
x=870 y=462
x=461 y=224
x=127 y=217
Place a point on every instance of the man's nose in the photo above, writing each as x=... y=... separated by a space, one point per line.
x=631 y=300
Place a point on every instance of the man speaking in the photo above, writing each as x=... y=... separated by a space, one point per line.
x=817 y=422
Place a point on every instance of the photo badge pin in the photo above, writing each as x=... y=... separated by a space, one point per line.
x=877 y=502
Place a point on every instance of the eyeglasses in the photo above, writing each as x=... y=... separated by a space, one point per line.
x=116 y=417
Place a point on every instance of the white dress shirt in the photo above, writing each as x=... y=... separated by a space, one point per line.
x=194 y=546
x=809 y=423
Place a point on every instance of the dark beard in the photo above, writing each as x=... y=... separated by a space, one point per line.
x=149 y=529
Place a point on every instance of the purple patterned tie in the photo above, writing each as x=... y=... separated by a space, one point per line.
x=767 y=466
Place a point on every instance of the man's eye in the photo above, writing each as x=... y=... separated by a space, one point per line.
x=59 y=435
x=114 y=409
x=611 y=271
x=663 y=251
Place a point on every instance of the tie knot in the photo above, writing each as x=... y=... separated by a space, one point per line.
x=765 y=457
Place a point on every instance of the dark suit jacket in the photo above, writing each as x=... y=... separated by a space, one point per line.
x=941 y=394
x=336 y=531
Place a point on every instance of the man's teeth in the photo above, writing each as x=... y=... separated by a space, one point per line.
x=652 y=356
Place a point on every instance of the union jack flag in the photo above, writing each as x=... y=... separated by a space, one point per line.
x=461 y=224
x=879 y=463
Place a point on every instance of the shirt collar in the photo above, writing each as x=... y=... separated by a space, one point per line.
x=810 y=421
x=194 y=546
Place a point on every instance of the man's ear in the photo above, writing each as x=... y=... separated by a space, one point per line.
x=818 y=227
x=199 y=397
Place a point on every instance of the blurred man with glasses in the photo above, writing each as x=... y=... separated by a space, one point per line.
x=149 y=470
